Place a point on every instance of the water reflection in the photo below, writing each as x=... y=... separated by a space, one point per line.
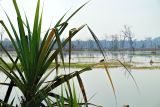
x=94 y=56
x=96 y=82
x=127 y=93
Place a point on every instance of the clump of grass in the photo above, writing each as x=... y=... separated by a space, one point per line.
x=35 y=57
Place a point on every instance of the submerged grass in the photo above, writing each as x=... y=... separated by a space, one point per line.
x=110 y=65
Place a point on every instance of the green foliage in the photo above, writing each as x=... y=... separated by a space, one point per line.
x=35 y=58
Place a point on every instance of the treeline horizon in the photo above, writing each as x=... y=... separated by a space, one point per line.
x=115 y=44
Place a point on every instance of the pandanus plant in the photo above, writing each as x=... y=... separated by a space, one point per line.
x=29 y=71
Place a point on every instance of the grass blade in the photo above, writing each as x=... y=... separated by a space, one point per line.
x=10 y=36
x=59 y=46
x=70 y=96
x=14 y=63
x=76 y=11
x=104 y=61
x=25 y=51
x=129 y=74
x=82 y=88
x=110 y=79
x=97 y=42
x=8 y=93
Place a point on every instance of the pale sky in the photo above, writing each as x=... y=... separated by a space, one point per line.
x=105 y=17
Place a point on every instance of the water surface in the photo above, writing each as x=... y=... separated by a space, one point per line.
x=96 y=83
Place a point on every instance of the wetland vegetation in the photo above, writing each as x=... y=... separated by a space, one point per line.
x=44 y=70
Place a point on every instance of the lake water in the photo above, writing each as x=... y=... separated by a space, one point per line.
x=141 y=58
x=127 y=93
x=96 y=83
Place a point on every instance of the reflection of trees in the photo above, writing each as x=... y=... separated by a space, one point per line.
x=131 y=56
x=115 y=55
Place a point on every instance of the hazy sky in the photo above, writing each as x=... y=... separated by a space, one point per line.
x=105 y=17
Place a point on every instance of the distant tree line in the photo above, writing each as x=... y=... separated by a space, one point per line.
x=124 y=42
x=115 y=44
